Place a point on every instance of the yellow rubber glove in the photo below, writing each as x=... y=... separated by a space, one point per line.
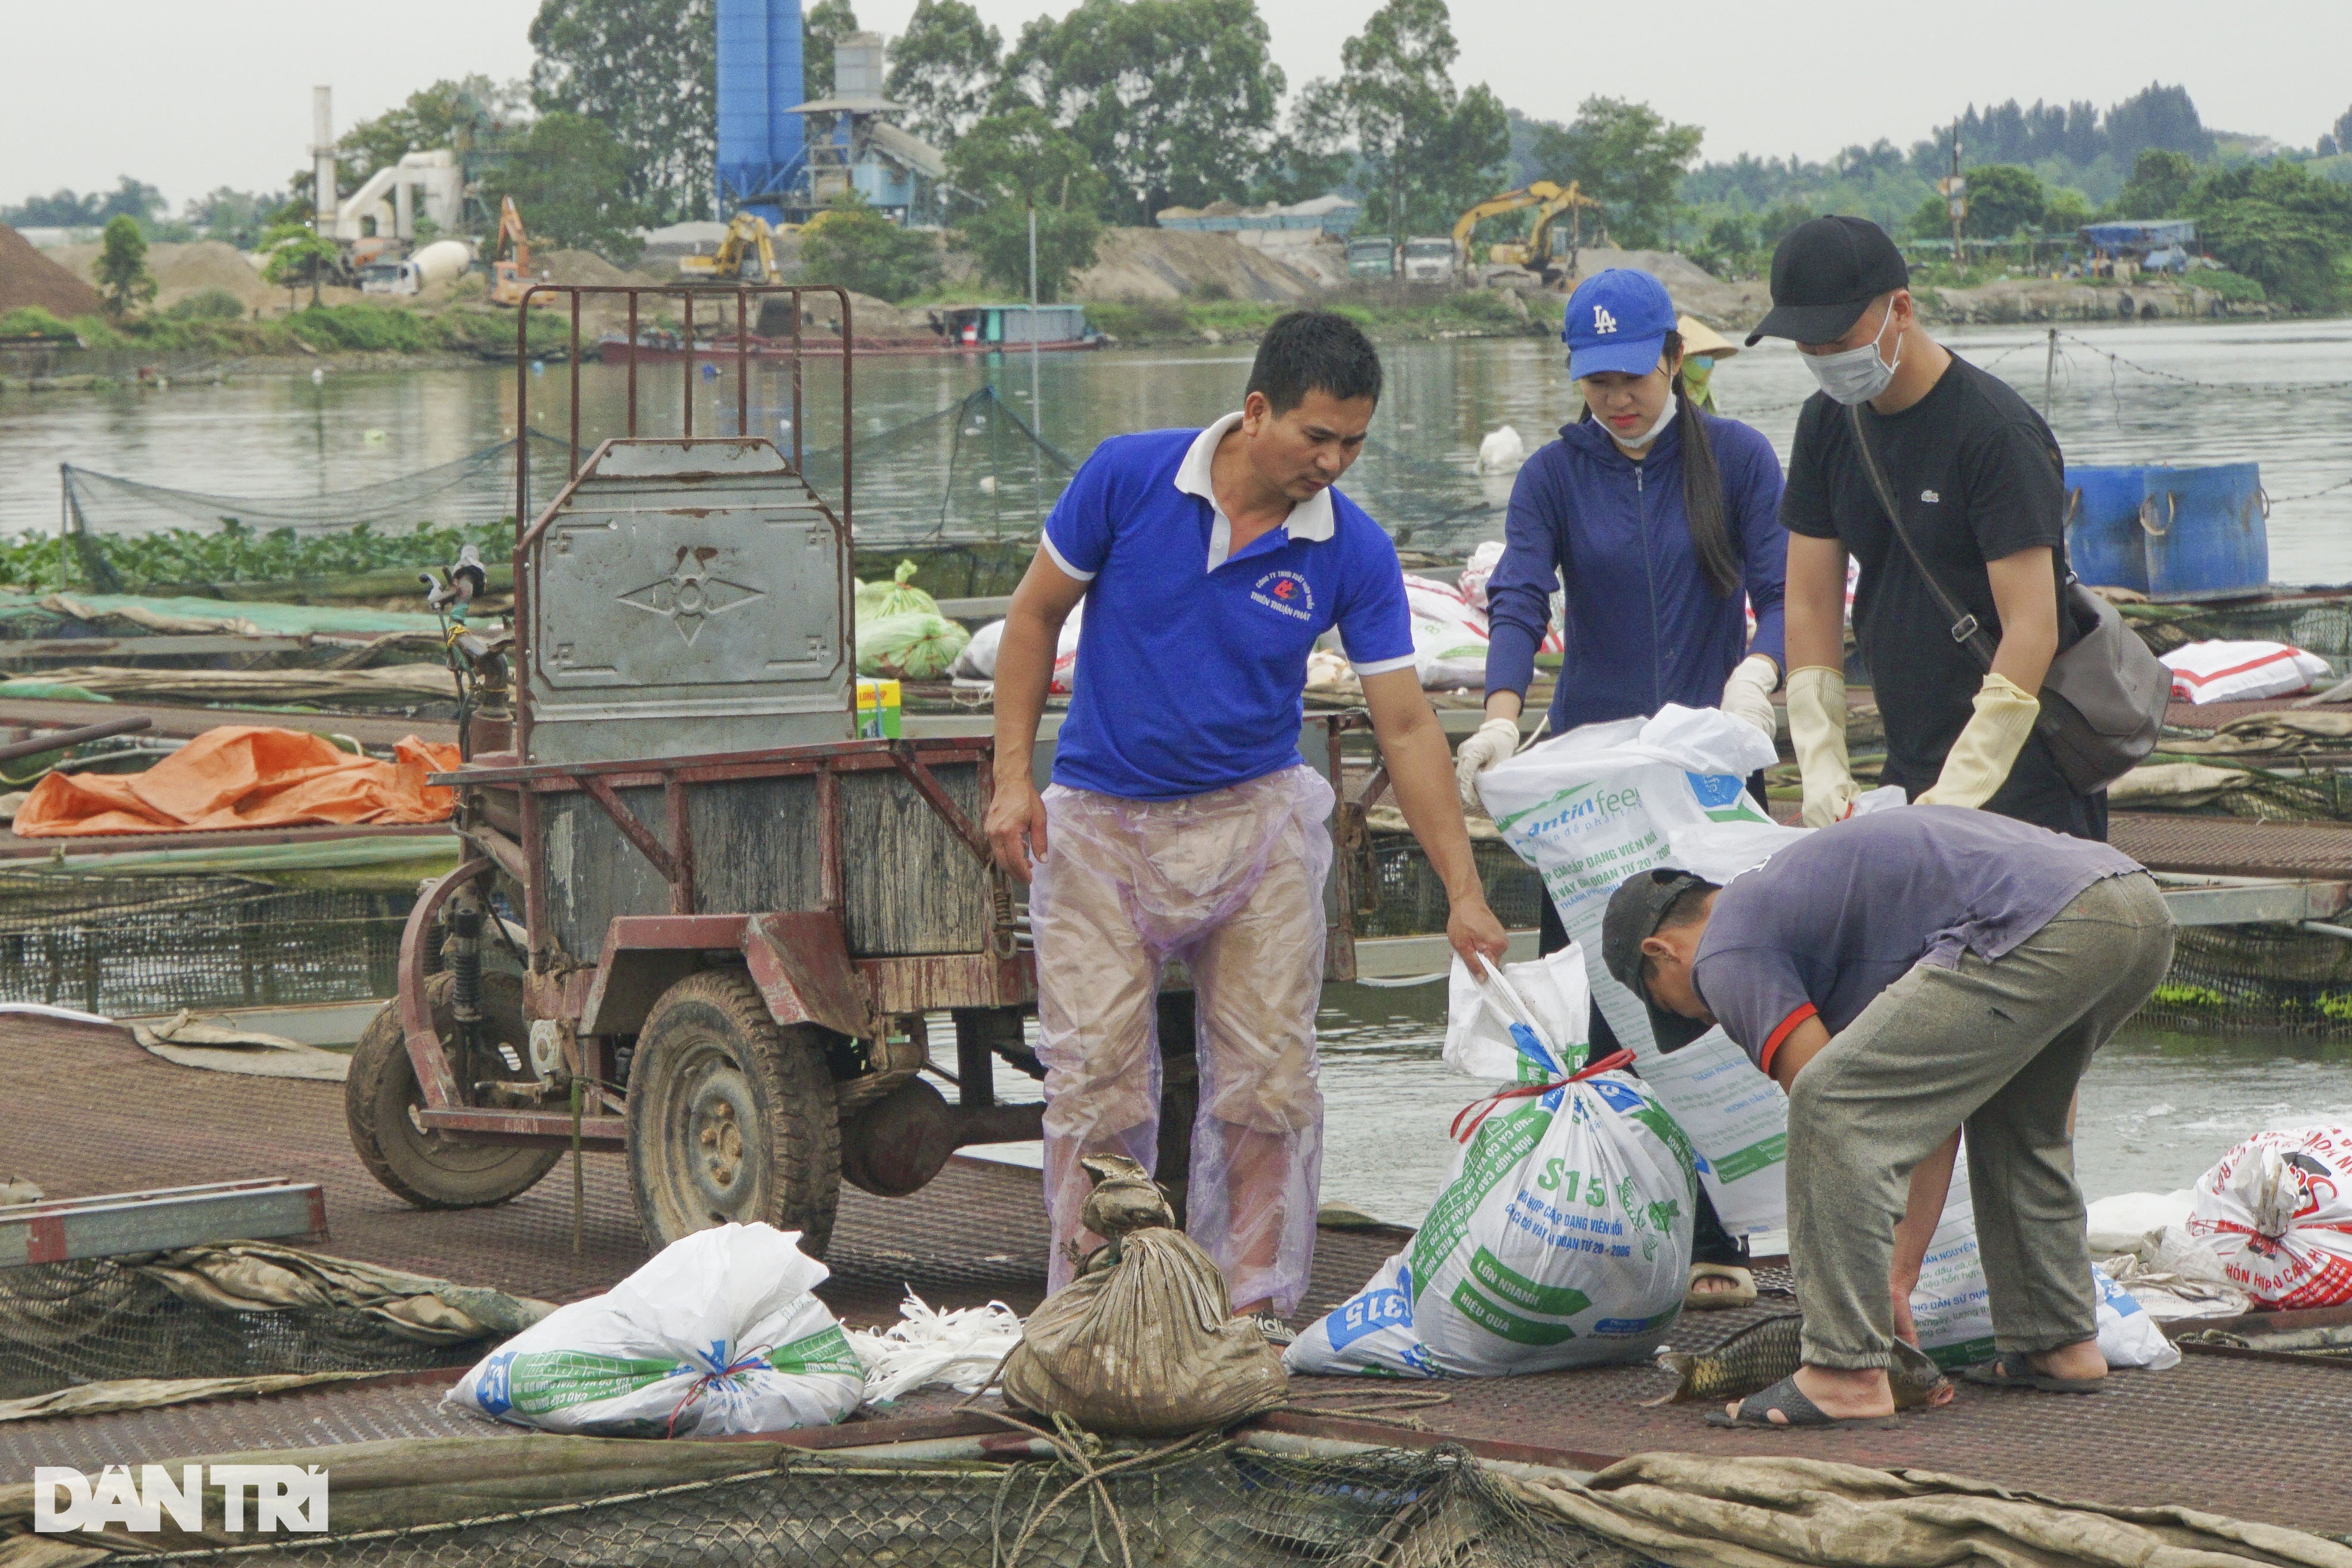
x=1981 y=759
x=1817 y=734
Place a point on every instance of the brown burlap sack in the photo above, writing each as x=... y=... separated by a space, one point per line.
x=1144 y=1344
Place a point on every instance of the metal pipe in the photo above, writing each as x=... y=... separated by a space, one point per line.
x=59 y=739
x=686 y=415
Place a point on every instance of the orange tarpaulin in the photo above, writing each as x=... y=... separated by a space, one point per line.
x=244 y=775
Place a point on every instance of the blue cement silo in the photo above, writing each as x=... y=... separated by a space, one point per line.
x=761 y=148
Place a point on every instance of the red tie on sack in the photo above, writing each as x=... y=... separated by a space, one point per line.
x=1485 y=1107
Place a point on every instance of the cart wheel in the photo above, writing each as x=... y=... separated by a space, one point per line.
x=731 y=1117
x=380 y=1102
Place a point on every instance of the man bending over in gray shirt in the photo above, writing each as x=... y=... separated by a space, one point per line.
x=1904 y=975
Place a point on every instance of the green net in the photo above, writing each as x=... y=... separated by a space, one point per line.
x=100 y=1319
x=2256 y=977
x=1217 y=1503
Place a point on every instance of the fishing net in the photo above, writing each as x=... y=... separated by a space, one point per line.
x=2322 y=626
x=96 y=1320
x=1399 y=892
x=973 y=472
x=127 y=945
x=475 y=488
x=2256 y=977
x=1193 y=1503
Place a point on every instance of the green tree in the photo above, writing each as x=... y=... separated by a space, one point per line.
x=120 y=270
x=1626 y=156
x=2159 y=186
x=239 y=217
x=852 y=245
x=2280 y=227
x=2066 y=210
x=1311 y=155
x=1429 y=151
x=1933 y=220
x=1174 y=101
x=297 y=254
x=648 y=71
x=1010 y=163
x=2003 y=199
x=464 y=115
x=943 y=67
x=569 y=175
x=822 y=25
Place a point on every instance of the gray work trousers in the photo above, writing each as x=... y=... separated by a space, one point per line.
x=1997 y=1047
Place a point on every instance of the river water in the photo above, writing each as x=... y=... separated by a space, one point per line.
x=2279 y=393
x=2156 y=1110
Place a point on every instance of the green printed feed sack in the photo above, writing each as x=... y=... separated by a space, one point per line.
x=896 y=597
x=1562 y=1239
x=1602 y=803
x=915 y=646
x=719 y=1334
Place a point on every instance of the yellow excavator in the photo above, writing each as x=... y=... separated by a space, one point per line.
x=747 y=236
x=1550 y=201
x=510 y=276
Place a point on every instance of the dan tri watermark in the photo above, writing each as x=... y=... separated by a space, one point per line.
x=277 y=1497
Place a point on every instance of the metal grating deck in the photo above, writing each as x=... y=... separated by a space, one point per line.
x=85 y=1110
x=2233 y=846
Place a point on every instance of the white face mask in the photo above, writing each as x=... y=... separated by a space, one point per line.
x=1856 y=375
x=1636 y=443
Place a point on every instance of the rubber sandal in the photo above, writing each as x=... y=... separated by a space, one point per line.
x=2013 y=1369
x=1785 y=1396
x=1741 y=1295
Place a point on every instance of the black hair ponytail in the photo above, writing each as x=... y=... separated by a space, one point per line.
x=1703 y=501
x=1702 y=487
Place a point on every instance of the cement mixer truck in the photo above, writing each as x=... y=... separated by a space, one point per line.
x=436 y=263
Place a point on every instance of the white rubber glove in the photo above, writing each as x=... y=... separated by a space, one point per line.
x=1981 y=759
x=1747 y=694
x=1817 y=734
x=1495 y=739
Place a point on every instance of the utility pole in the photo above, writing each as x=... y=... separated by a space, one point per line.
x=1956 y=199
x=1036 y=415
x=2050 y=376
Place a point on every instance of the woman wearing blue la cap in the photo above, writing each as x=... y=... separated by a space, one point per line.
x=1662 y=523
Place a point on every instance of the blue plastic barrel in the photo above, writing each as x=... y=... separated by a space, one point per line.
x=2174 y=534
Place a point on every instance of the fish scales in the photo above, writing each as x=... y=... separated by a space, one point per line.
x=1762 y=1353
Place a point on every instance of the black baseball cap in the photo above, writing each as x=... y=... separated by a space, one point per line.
x=1633 y=912
x=1824 y=275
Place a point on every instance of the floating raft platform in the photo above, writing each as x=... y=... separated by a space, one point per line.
x=88 y=1112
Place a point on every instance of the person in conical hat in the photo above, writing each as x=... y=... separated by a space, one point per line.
x=1703 y=348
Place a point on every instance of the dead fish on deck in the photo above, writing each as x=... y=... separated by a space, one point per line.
x=1761 y=1354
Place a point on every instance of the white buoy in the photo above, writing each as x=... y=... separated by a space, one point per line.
x=318 y=376
x=988 y=484
x=1501 y=451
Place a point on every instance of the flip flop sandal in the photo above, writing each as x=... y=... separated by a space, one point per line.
x=2012 y=1369
x=1785 y=1396
x=1741 y=1295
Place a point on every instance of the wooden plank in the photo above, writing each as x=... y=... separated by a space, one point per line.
x=911 y=884
x=13 y=848
x=26 y=715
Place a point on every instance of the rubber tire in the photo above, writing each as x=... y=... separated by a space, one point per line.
x=709 y=1057
x=428 y=1169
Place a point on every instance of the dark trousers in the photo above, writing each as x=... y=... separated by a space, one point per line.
x=1710 y=1243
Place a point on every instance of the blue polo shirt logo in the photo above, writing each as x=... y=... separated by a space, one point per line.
x=1285 y=593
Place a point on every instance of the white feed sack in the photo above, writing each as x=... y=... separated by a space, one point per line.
x=717 y=1334
x=1563 y=1238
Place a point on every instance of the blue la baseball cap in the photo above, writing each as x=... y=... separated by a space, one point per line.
x=1617 y=320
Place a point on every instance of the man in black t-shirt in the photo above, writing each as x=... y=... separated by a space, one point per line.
x=1980 y=483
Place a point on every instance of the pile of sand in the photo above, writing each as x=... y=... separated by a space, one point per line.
x=1729 y=307
x=181 y=270
x=29 y=279
x=585 y=268
x=1176 y=263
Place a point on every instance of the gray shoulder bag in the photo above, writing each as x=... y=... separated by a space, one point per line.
x=2103 y=701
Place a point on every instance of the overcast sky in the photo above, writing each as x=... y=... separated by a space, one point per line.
x=189 y=97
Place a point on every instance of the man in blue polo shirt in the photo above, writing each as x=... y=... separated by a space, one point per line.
x=1181 y=823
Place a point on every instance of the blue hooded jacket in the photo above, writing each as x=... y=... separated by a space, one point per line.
x=1642 y=627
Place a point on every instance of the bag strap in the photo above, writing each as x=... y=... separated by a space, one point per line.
x=1965 y=629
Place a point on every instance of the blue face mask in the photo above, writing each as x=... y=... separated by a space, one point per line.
x=1699 y=362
